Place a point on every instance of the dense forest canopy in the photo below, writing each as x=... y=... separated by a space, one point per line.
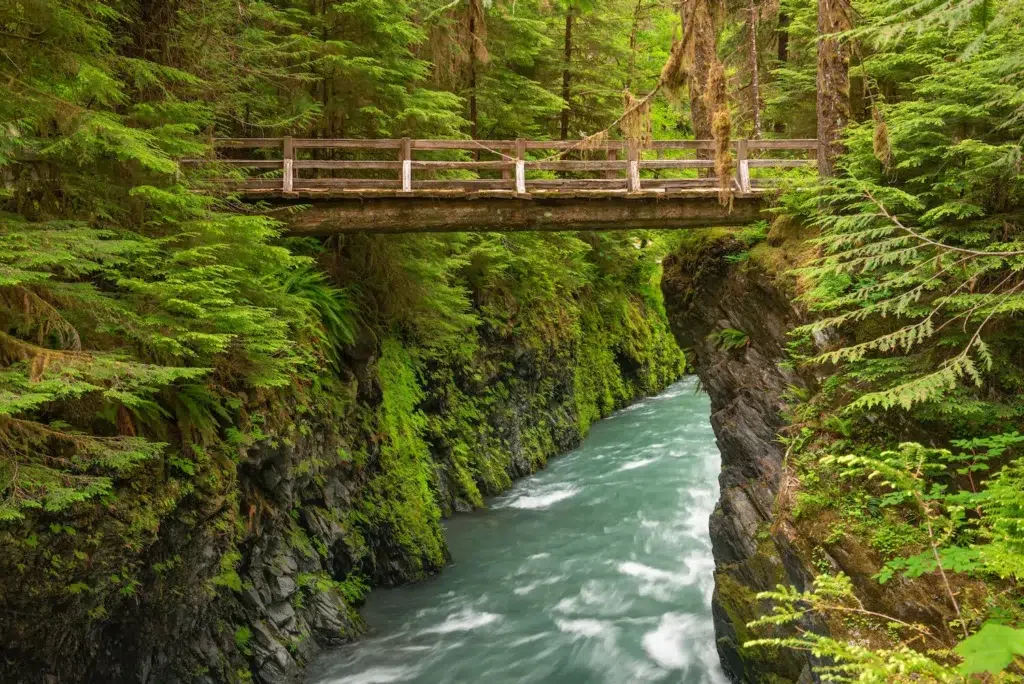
x=149 y=331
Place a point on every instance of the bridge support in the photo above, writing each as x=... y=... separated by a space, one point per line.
x=406 y=157
x=521 y=166
x=633 y=167
x=411 y=212
x=288 y=154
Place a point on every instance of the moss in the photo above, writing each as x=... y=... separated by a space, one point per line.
x=451 y=395
x=787 y=246
x=242 y=637
x=741 y=605
x=400 y=502
x=739 y=602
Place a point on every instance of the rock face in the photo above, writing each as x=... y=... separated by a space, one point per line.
x=746 y=379
x=263 y=560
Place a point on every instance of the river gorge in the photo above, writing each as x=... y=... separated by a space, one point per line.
x=597 y=569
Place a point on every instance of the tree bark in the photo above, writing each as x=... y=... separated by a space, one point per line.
x=782 y=32
x=633 y=35
x=703 y=45
x=755 y=84
x=567 y=73
x=472 y=77
x=833 y=82
x=782 y=36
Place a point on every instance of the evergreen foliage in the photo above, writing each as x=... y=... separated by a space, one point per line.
x=157 y=342
x=912 y=441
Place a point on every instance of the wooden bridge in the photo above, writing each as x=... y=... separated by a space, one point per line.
x=410 y=185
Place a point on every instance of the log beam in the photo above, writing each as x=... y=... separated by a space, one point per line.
x=505 y=211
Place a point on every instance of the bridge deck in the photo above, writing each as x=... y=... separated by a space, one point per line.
x=452 y=185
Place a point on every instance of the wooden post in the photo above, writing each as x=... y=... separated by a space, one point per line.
x=521 y=166
x=633 y=167
x=613 y=154
x=742 y=168
x=506 y=174
x=406 y=157
x=288 y=155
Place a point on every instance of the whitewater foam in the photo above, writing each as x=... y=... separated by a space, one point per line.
x=463 y=621
x=666 y=645
x=633 y=465
x=534 y=502
x=377 y=675
x=666 y=586
x=585 y=628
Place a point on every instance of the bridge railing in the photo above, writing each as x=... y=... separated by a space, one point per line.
x=520 y=166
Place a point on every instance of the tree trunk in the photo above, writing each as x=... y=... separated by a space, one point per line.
x=783 y=36
x=472 y=77
x=566 y=74
x=325 y=118
x=702 y=44
x=633 y=35
x=833 y=82
x=755 y=85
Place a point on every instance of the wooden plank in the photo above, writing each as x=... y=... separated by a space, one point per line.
x=551 y=144
x=466 y=165
x=587 y=193
x=499 y=145
x=795 y=144
x=482 y=211
x=246 y=143
x=677 y=164
x=381 y=184
x=346 y=144
x=676 y=183
x=347 y=183
x=780 y=163
x=551 y=186
x=247 y=163
x=683 y=145
x=575 y=165
x=576 y=183
x=574 y=145
x=351 y=165
x=478 y=145
x=471 y=184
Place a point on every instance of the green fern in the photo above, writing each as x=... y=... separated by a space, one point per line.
x=729 y=339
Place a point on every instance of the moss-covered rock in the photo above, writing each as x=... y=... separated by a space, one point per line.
x=712 y=284
x=241 y=561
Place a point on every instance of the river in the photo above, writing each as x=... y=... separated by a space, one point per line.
x=597 y=569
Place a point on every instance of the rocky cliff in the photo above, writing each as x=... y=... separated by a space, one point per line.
x=732 y=316
x=265 y=559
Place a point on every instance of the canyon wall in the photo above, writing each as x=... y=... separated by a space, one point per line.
x=711 y=286
x=265 y=558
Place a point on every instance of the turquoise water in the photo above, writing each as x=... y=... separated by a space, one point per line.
x=597 y=569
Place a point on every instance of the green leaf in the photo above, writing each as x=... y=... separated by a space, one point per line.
x=991 y=649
